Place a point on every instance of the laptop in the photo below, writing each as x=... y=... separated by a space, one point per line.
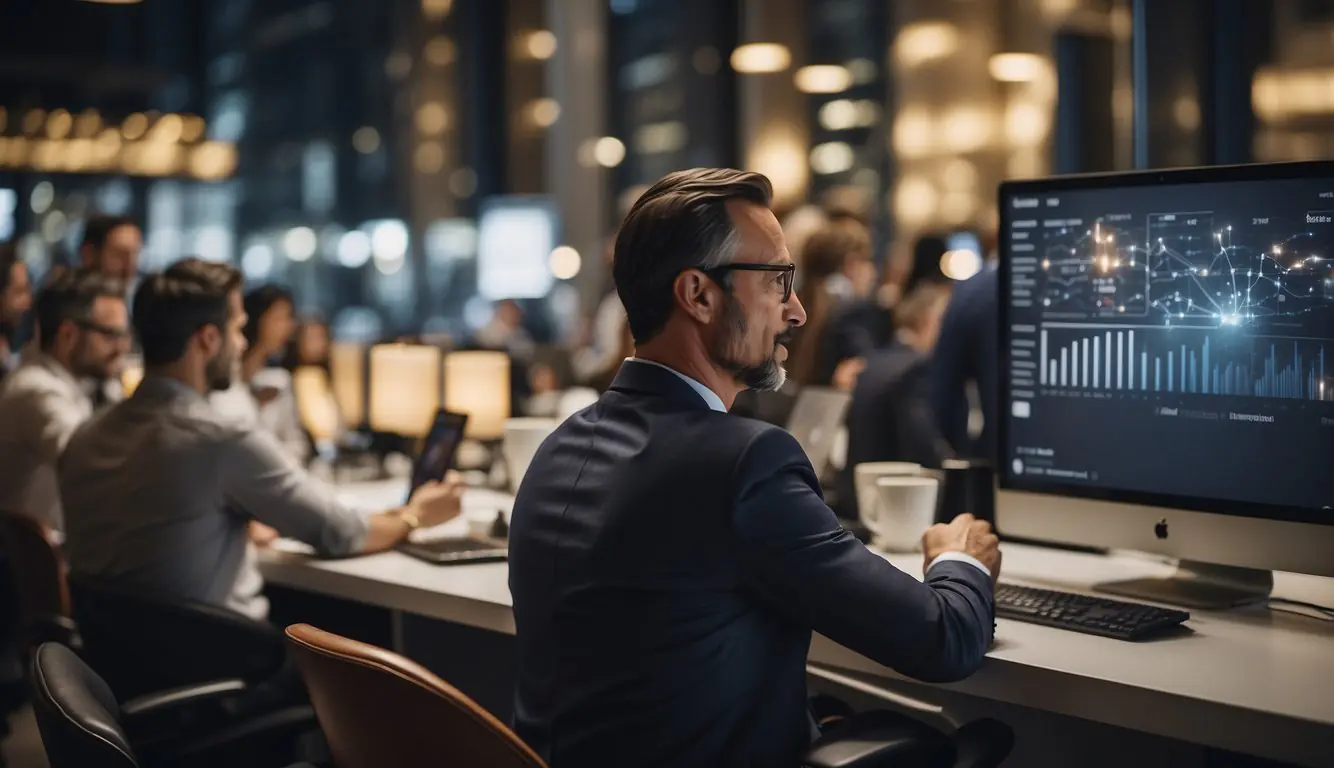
x=815 y=422
x=434 y=460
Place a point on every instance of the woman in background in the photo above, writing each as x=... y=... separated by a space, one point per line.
x=838 y=271
x=309 y=346
x=270 y=324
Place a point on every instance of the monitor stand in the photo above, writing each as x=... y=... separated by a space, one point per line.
x=1204 y=586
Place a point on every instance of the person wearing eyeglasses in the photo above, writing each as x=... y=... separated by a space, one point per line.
x=669 y=561
x=82 y=334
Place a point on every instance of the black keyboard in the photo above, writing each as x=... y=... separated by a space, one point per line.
x=1082 y=613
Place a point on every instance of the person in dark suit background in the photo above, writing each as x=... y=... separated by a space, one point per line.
x=669 y=561
x=890 y=416
x=967 y=351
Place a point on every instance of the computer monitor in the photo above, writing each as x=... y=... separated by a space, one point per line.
x=515 y=238
x=1167 y=371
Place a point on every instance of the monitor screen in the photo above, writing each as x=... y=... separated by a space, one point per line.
x=1168 y=339
x=515 y=238
x=438 y=449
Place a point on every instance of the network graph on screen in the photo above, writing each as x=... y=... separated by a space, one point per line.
x=1193 y=302
x=1171 y=339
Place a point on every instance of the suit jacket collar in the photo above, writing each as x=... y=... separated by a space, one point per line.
x=639 y=378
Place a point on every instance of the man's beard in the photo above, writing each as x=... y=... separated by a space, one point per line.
x=768 y=376
x=221 y=371
x=85 y=365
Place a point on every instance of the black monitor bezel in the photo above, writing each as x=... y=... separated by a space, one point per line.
x=1317 y=169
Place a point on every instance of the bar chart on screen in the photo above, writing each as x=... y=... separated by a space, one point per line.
x=1149 y=360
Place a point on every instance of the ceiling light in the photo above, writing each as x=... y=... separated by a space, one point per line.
x=1016 y=67
x=823 y=78
x=761 y=58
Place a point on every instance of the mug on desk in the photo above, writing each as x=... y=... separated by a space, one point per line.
x=967 y=485
x=907 y=508
x=864 y=477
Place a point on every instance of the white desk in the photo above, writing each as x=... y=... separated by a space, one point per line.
x=1256 y=682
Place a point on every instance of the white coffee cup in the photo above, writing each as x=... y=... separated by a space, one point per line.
x=864 y=477
x=523 y=436
x=907 y=509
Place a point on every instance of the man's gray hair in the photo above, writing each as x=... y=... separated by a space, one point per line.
x=680 y=223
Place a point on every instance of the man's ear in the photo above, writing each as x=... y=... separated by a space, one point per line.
x=697 y=296
x=209 y=339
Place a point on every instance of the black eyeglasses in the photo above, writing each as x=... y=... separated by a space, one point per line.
x=115 y=334
x=788 y=273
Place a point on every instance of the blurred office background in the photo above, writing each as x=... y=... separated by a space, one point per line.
x=355 y=150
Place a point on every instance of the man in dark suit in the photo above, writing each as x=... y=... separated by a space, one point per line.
x=968 y=352
x=890 y=418
x=668 y=561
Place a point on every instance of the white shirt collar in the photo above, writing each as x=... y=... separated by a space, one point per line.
x=710 y=397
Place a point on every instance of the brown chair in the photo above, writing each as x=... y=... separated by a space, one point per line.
x=40 y=586
x=380 y=710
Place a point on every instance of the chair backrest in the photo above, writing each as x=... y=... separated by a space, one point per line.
x=76 y=713
x=38 y=572
x=377 y=708
x=144 y=643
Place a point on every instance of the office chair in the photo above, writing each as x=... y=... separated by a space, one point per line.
x=82 y=726
x=420 y=719
x=141 y=643
x=40 y=589
x=415 y=719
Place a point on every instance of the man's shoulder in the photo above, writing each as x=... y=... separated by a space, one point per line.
x=192 y=419
x=694 y=435
x=30 y=379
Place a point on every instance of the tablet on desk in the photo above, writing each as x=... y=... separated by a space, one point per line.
x=437 y=453
x=437 y=456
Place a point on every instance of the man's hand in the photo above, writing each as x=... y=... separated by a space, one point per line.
x=435 y=503
x=964 y=534
x=262 y=534
x=845 y=375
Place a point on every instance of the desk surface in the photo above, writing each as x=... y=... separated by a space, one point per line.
x=1257 y=681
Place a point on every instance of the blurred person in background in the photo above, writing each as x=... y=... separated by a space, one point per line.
x=839 y=273
x=890 y=416
x=261 y=392
x=605 y=340
x=967 y=356
x=309 y=346
x=82 y=332
x=112 y=244
x=158 y=490
x=260 y=397
x=505 y=332
x=798 y=226
x=15 y=301
x=271 y=322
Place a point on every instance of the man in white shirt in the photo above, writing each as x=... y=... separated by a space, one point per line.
x=15 y=300
x=82 y=333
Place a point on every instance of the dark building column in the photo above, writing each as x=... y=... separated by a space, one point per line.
x=577 y=73
x=1171 y=74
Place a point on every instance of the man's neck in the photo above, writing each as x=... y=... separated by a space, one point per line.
x=193 y=380
x=691 y=360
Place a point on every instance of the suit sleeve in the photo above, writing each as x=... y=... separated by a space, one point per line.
x=798 y=558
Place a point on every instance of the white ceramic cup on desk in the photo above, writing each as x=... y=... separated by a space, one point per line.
x=907 y=508
x=523 y=436
x=864 y=477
